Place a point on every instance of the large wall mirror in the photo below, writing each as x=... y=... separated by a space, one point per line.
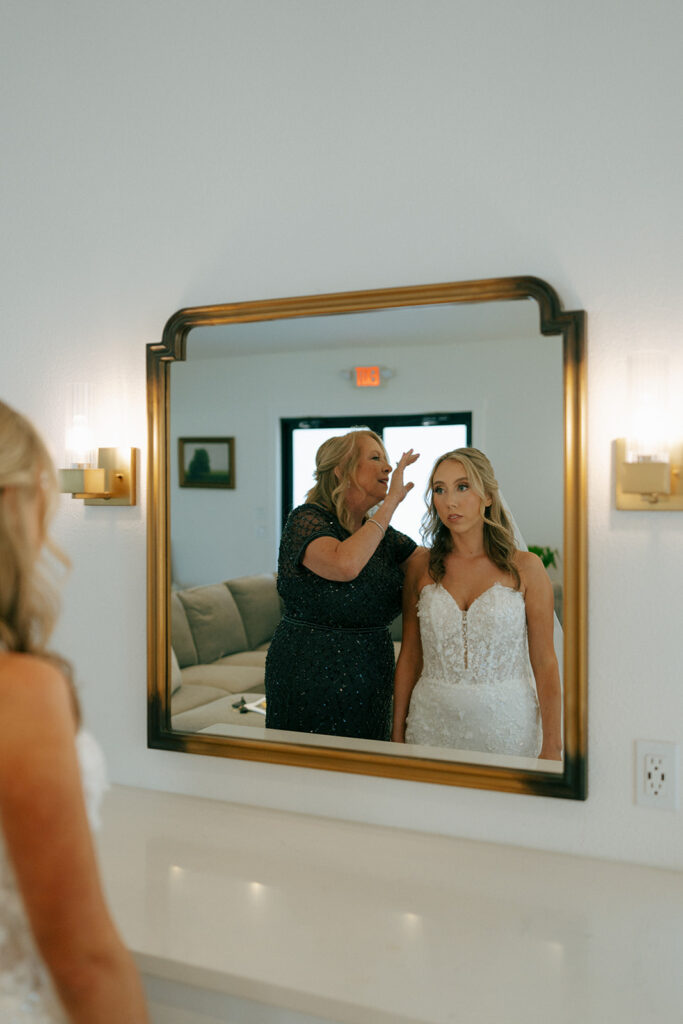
x=232 y=387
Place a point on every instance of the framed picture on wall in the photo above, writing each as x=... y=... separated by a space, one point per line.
x=206 y=462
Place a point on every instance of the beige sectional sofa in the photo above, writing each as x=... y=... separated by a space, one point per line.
x=220 y=634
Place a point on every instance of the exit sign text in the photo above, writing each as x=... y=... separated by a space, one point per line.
x=367 y=377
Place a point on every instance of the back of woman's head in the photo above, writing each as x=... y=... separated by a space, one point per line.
x=336 y=462
x=27 y=494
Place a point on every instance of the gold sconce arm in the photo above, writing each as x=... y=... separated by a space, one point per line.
x=648 y=486
x=114 y=482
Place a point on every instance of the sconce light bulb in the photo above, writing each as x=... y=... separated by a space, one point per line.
x=650 y=433
x=79 y=444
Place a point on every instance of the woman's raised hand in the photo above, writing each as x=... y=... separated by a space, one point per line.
x=397 y=488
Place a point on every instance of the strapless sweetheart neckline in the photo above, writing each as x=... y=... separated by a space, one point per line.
x=488 y=590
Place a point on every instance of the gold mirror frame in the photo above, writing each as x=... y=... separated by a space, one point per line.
x=553 y=321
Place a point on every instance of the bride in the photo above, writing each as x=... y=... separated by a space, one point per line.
x=477 y=668
x=61 y=957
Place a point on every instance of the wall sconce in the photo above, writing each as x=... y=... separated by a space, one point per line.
x=111 y=482
x=648 y=464
x=102 y=476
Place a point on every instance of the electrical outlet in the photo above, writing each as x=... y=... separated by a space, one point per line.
x=657 y=774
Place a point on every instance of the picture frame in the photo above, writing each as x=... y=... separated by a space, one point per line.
x=206 y=462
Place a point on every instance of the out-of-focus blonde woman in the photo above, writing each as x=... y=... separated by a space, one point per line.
x=61 y=958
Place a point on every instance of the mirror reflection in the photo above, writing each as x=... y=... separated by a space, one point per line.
x=478 y=668
x=484 y=365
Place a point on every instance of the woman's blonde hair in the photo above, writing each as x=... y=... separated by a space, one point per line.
x=336 y=462
x=499 y=538
x=28 y=601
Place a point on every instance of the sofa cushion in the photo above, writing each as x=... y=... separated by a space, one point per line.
x=188 y=697
x=228 y=679
x=181 y=634
x=259 y=604
x=215 y=621
x=255 y=659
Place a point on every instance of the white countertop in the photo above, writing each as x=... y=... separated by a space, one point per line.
x=368 y=925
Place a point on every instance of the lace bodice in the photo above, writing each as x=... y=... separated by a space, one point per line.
x=477 y=690
x=26 y=994
x=485 y=644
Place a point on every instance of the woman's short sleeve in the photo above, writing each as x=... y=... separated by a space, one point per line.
x=307 y=523
x=402 y=546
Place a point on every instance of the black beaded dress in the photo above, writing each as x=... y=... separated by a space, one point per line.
x=330 y=665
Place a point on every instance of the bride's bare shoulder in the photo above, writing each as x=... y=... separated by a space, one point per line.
x=528 y=562
x=418 y=564
x=29 y=675
x=533 y=574
x=37 y=714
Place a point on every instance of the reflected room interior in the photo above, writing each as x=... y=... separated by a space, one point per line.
x=486 y=365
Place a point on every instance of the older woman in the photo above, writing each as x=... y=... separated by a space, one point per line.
x=60 y=955
x=330 y=665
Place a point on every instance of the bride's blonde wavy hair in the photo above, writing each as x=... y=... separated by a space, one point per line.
x=28 y=597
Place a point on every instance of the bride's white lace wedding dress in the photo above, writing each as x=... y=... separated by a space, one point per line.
x=26 y=993
x=477 y=690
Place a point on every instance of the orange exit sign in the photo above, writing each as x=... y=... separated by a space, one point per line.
x=367 y=377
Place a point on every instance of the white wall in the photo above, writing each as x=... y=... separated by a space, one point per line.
x=513 y=390
x=159 y=154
